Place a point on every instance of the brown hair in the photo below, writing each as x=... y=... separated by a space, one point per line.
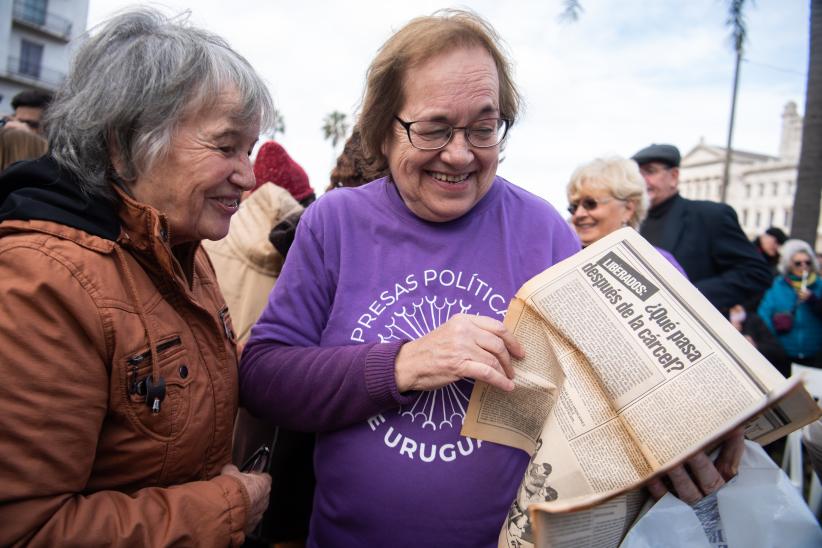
x=353 y=167
x=418 y=41
x=19 y=144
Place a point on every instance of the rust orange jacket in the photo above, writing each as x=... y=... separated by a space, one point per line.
x=85 y=319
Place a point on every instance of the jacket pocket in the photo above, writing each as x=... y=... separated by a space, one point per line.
x=176 y=370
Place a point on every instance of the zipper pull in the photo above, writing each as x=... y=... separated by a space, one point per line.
x=155 y=393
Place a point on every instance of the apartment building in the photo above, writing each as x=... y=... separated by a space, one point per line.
x=36 y=44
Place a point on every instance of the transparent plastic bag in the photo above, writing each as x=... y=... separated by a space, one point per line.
x=759 y=508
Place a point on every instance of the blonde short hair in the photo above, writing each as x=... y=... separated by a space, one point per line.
x=619 y=176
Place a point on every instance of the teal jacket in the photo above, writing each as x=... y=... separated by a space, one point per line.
x=805 y=338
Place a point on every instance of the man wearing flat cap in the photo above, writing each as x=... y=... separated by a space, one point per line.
x=704 y=237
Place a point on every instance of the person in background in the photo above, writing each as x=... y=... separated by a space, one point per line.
x=705 y=237
x=392 y=298
x=792 y=307
x=274 y=165
x=353 y=167
x=768 y=244
x=246 y=263
x=754 y=329
x=605 y=195
x=117 y=354
x=19 y=144
x=247 y=267
x=29 y=106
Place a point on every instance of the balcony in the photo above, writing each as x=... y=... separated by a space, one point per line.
x=34 y=16
x=33 y=74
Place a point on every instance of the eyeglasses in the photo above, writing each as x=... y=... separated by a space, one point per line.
x=484 y=133
x=589 y=204
x=801 y=263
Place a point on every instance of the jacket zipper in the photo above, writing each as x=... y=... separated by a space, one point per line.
x=139 y=386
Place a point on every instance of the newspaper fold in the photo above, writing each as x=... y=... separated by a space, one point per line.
x=628 y=371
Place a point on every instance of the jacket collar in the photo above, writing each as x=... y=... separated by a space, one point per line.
x=146 y=231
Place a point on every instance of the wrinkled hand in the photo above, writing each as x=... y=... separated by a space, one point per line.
x=258 y=487
x=703 y=477
x=475 y=347
x=804 y=295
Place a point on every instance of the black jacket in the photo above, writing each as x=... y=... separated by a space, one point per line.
x=706 y=239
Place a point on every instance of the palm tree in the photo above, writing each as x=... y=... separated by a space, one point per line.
x=806 y=208
x=278 y=126
x=570 y=13
x=335 y=127
x=739 y=32
x=805 y=222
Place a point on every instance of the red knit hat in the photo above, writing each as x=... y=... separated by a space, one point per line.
x=274 y=165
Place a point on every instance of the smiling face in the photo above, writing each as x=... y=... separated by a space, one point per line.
x=610 y=214
x=198 y=185
x=458 y=87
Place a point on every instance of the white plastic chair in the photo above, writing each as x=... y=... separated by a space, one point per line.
x=792 y=458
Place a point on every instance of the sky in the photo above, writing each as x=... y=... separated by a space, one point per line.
x=626 y=74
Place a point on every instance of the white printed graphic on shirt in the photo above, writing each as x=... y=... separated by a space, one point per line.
x=412 y=308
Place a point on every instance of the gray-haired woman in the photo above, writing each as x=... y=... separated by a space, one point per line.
x=117 y=352
x=792 y=307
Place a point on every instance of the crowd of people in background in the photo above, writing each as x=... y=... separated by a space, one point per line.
x=209 y=304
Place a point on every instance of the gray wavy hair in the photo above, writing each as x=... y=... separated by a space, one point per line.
x=130 y=86
x=619 y=176
x=790 y=248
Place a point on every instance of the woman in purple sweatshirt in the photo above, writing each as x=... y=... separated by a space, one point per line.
x=392 y=298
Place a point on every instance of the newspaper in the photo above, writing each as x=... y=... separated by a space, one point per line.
x=628 y=371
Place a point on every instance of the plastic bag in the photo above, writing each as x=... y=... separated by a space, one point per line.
x=758 y=508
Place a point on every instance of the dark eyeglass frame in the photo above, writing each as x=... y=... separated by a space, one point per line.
x=506 y=125
x=590 y=204
x=802 y=263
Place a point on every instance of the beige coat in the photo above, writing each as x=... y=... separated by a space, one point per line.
x=246 y=263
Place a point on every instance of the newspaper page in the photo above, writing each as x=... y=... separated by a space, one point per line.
x=628 y=371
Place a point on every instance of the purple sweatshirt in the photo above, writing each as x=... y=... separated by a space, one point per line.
x=363 y=276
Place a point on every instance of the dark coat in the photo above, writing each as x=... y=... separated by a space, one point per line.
x=706 y=239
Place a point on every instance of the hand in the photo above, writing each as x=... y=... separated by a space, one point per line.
x=804 y=295
x=258 y=487
x=475 y=347
x=705 y=477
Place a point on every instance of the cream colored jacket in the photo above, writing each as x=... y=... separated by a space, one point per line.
x=246 y=263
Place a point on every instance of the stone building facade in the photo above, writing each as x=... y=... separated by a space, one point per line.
x=761 y=187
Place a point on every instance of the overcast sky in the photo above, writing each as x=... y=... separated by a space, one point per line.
x=628 y=73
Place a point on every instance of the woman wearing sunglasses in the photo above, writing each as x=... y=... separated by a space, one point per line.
x=792 y=307
x=607 y=194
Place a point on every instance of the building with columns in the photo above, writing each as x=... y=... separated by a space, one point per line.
x=761 y=187
x=35 y=44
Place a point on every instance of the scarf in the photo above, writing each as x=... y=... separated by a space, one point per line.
x=796 y=281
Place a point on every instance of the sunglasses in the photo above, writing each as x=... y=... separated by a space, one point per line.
x=589 y=204
x=801 y=263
